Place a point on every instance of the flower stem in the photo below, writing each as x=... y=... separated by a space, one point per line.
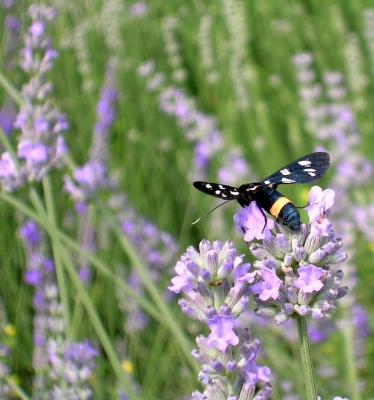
x=306 y=360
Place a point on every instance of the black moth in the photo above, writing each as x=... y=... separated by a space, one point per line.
x=306 y=169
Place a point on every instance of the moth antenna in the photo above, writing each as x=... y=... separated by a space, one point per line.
x=215 y=208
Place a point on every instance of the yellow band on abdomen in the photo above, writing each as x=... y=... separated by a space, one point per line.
x=276 y=208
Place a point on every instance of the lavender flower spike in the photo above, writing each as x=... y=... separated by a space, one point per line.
x=218 y=284
x=295 y=266
x=40 y=144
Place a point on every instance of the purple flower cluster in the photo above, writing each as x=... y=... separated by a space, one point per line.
x=55 y=359
x=294 y=277
x=40 y=144
x=91 y=178
x=228 y=359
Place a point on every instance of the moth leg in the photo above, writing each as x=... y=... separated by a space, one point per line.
x=262 y=212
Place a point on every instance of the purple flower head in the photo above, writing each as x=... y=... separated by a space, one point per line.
x=319 y=204
x=183 y=281
x=254 y=223
x=308 y=280
x=138 y=9
x=29 y=232
x=241 y=272
x=7 y=118
x=269 y=287
x=222 y=333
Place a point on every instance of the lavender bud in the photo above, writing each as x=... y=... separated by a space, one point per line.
x=225 y=310
x=291 y=294
x=338 y=258
x=225 y=269
x=217 y=366
x=287 y=309
x=271 y=263
x=342 y=291
x=298 y=251
x=303 y=310
x=304 y=298
x=333 y=246
x=283 y=243
x=210 y=312
x=231 y=366
x=317 y=256
x=211 y=259
x=240 y=306
x=266 y=312
x=288 y=260
x=259 y=251
x=281 y=318
x=205 y=276
x=204 y=247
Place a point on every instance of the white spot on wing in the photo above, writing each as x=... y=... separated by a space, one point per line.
x=286 y=180
x=222 y=187
x=223 y=195
x=311 y=173
x=208 y=186
x=309 y=170
x=304 y=162
x=285 y=171
x=266 y=182
x=217 y=192
x=234 y=193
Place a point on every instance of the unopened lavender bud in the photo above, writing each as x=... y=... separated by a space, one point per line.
x=304 y=298
x=266 y=312
x=192 y=252
x=240 y=306
x=199 y=356
x=287 y=309
x=245 y=335
x=259 y=251
x=217 y=366
x=231 y=366
x=288 y=260
x=187 y=309
x=304 y=310
x=271 y=263
x=338 y=258
x=203 y=378
x=225 y=310
x=211 y=259
x=291 y=294
x=317 y=314
x=324 y=305
x=299 y=252
x=333 y=246
x=205 y=276
x=231 y=254
x=225 y=269
x=317 y=256
x=204 y=247
x=210 y=312
x=281 y=318
x=342 y=291
x=192 y=267
x=217 y=245
x=272 y=246
x=283 y=243
x=222 y=291
x=264 y=393
x=312 y=243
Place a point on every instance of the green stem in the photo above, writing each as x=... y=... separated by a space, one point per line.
x=306 y=360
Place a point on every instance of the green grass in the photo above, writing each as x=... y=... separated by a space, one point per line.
x=151 y=158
